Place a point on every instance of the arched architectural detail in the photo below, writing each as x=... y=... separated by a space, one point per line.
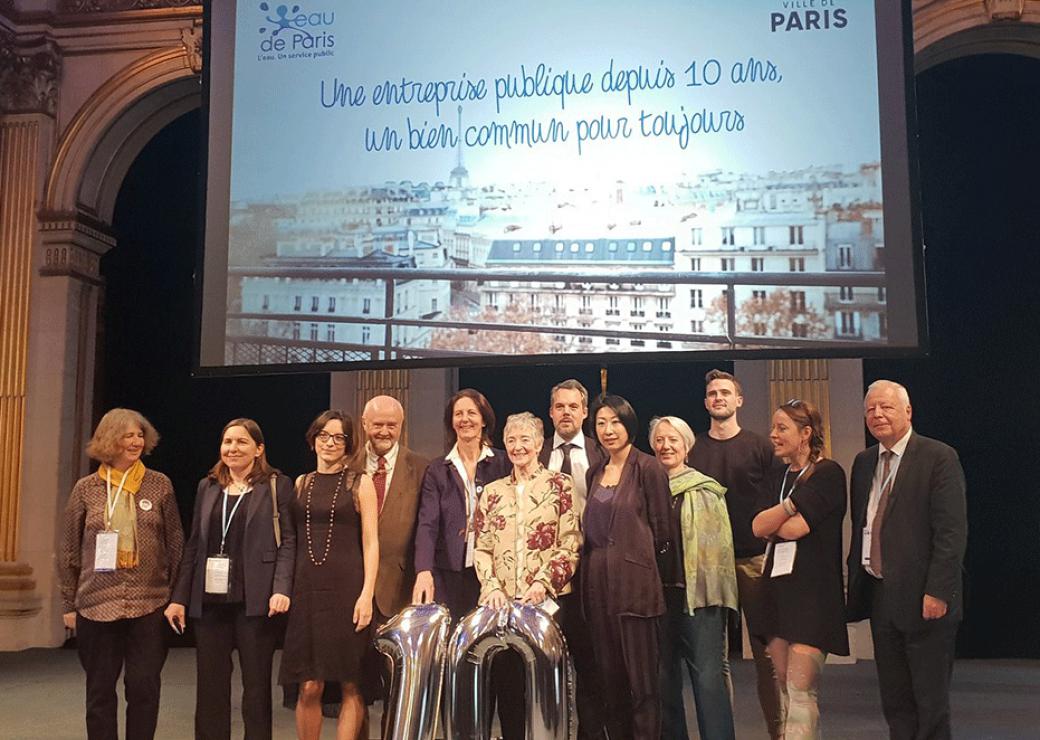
x=109 y=131
x=947 y=29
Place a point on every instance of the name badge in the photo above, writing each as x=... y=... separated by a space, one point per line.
x=106 y=548
x=218 y=574
x=865 y=556
x=549 y=606
x=783 y=558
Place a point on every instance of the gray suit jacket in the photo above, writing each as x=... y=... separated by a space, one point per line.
x=268 y=568
x=923 y=538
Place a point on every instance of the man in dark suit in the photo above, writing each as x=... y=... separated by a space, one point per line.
x=909 y=532
x=573 y=453
x=569 y=450
x=397 y=475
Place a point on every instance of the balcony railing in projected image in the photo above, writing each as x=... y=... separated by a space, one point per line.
x=262 y=350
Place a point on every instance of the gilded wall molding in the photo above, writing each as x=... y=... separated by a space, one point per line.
x=935 y=20
x=110 y=6
x=191 y=40
x=30 y=74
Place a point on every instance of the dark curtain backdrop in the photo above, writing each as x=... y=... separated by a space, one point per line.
x=979 y=151
x=147 y=334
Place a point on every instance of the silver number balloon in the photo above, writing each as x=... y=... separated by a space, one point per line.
x=415 y=642
x=548 y=677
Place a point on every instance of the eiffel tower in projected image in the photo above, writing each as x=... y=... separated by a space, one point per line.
x=459 y=177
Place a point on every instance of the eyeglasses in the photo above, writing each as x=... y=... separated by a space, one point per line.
x=795 y=402
x=337 y=439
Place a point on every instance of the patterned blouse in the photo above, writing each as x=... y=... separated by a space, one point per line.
x=125 y=593
x=527 y=531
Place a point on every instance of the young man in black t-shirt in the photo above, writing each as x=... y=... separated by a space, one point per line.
x=741 y=460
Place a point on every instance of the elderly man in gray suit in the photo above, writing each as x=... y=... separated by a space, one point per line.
x=909 y=533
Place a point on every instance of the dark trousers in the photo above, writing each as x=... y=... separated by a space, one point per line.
x=105 y=649
x=220 y=630
x=697 y=641
x=914 y=672
x=588 y=692
x=628 y=657
x=456 y=589
x=508 y=687
x=459 y=591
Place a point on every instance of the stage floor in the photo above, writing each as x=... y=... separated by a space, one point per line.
x=41 y=698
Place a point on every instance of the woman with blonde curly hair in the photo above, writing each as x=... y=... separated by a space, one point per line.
x=121 y=547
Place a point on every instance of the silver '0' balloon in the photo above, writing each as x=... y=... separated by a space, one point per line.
x=415 y=642
x=547 y=671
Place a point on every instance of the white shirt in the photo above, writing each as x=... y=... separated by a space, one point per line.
x=372 y=463
x=897 y=450
x=579 y=465
x=471 y=495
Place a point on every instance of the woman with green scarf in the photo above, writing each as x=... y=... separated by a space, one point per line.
x=121 y=547
x=705 y=588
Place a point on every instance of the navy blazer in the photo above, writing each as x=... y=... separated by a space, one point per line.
x=440 y=536
x=640 y=535
x=923 y=538
x=268 y=569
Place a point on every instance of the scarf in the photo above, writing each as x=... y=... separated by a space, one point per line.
x=124 y=517
x=711 y=577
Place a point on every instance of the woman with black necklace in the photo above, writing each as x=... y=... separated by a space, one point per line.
x=337 y=557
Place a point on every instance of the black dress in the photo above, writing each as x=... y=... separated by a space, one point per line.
x=808 y=605
x=320 y=640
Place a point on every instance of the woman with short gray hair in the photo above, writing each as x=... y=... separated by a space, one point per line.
x=528 y=538
x=704 y=587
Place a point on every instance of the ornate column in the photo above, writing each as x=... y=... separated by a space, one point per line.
x=29 y=73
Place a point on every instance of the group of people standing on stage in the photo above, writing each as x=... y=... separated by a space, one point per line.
x=641 y=558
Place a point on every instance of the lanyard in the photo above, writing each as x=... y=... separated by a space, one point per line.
x=793 y=485
x=225 y=520
x=111 y=503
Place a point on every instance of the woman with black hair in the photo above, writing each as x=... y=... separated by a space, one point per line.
x=626 y=525
x=803 y=614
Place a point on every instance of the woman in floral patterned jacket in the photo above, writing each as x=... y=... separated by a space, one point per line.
x=528 y=539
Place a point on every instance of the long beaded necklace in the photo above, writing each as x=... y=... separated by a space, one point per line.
x=332 y=519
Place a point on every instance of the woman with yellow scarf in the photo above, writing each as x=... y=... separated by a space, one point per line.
x=121 y=548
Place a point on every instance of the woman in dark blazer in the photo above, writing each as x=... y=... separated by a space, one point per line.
x=236 y=573
x=451 y=486
x=626 y=529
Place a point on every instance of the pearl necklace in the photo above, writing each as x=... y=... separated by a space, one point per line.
x=332 y=519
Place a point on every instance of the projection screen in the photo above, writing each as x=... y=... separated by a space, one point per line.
x=399 y=183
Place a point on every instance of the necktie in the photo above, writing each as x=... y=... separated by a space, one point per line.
x=379 y=479
x=565 y=448
x=879 y=515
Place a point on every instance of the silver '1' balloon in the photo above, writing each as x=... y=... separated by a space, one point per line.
x=415 y=642
x=547 y=671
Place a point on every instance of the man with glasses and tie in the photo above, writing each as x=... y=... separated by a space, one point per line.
x=909 y=533
x=397 y=474
x=570 y=451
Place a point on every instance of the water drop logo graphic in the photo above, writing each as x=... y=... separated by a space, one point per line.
x=285 y=19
